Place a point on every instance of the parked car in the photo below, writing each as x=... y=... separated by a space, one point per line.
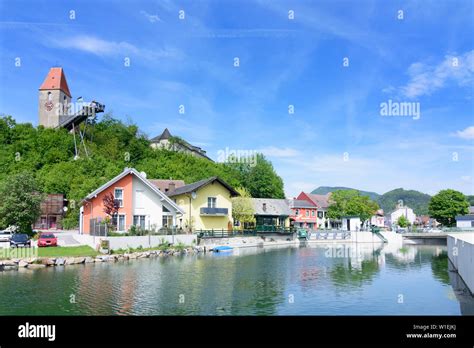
x=5 y=236
x=47 y=239
x=20 y=239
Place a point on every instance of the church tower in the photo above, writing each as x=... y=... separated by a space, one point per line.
x=54 y=99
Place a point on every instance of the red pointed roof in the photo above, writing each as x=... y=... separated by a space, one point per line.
x=56 y=80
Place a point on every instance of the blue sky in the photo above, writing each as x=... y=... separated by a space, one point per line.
x=336 y=135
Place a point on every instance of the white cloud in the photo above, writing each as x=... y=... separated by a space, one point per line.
x=150 y=17
x=273 y=151
x=467 y=133
x=102 y=47
x=426 y=79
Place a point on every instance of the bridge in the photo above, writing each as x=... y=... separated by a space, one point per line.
x=431 y=237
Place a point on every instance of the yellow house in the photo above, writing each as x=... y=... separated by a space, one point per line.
x=207 y=204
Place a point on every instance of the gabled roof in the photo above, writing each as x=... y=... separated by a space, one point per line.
x=56 y=79
x=300 y=203
x=197 y=185
x=133 y=171
x=321 y=201
x=164 y=185
x=271 y=206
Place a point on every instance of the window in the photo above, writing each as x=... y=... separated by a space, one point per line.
x=139 y=221
x=264 y=206
x=165 y=210
x=49 y=96
x=297 y=212
x=118 y=195
x=211 y=202
x=120 y=224
x=307 y=213
x=167 y=221
x=320 y=214
x=313 y=213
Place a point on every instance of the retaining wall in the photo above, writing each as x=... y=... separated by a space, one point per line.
x=461 y=254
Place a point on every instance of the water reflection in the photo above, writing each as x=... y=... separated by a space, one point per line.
x=314 y=279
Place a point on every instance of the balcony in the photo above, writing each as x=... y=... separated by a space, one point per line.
x=214 y=211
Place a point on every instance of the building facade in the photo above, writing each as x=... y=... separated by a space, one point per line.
x=52 y=212
x=54 y=99
x=378 y=219
x=141 y=204
x=405 y=211
x=271 y=213
x=465 y=221
x=207 y=205
x=322 y=204
x=303 y=213
x=166 y=141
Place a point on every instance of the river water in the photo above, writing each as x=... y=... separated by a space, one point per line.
x=363 y=279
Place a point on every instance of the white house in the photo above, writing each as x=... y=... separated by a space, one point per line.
x=378 y=219
x=403 y=211
x=141 y=204
x=351 y=223
x=465 y=221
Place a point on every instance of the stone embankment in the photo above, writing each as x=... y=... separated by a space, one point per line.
x=43 y=262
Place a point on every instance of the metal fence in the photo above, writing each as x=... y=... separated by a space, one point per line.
x=97 y=228
x=258 y=230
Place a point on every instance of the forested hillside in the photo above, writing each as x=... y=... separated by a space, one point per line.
x=416 y=200
x=322 y=190
x=112 y=146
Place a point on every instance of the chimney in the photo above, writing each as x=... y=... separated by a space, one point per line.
x=171 y=186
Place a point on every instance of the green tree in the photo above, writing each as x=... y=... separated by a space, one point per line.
x=112 y=145
x=242 y=207
x=262 y=181
x=446 y=205
x=403 y=221
x=351 y=203
x=20 y=202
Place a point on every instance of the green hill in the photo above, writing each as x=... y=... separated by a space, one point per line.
x=416 y=200
x=112 y=145
x=322 y=190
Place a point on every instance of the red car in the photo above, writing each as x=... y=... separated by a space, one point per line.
x=47 y=239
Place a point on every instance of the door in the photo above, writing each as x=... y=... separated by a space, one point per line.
x=52 y=222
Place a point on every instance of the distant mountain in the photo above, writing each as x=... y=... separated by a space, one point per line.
x=322 y=190
x=416 y=200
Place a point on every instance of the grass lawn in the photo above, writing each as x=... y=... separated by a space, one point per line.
x=83 y=250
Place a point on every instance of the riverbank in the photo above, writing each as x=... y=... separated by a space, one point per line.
x=63 y=256
x=43 y=262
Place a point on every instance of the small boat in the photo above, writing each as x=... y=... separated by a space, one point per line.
x=222 y=248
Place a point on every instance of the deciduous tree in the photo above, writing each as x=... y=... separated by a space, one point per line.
x=446 y=205
x=20 y=202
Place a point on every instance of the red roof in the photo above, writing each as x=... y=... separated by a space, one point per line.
x=56 y=80
x=321 y=201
